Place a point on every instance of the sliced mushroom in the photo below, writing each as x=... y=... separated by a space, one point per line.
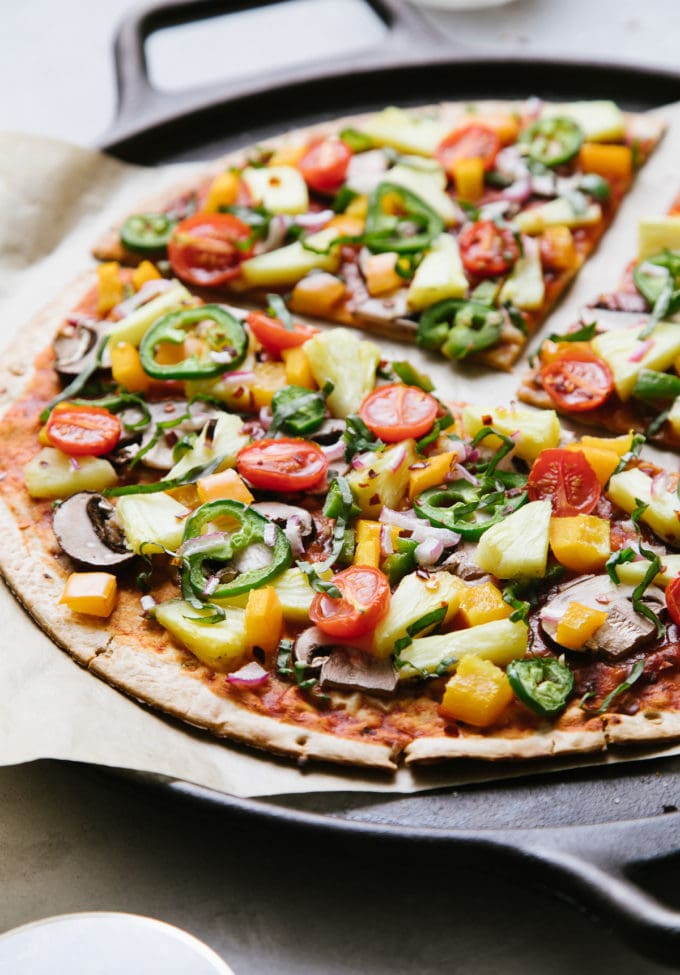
x=624 y=630
x=330 y=432
x=281 y=514
x=312 y=648
x=75 y=345
x=349 y=669
x=160 y=456
x=87 y=531
x=462 y=563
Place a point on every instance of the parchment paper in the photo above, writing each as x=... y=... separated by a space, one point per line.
x=55 y=200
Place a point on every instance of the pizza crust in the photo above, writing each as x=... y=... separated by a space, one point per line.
x=534 y=745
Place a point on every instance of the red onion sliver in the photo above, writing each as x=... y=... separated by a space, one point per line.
x=519 y=191
x=386 y=545
x=398 y=459
x=293 y=533
x=269 y=535
x=211 y=585
x=252 y=675
x=641 y=351
x=147 y=291
x=334 y=451
x=429 y=551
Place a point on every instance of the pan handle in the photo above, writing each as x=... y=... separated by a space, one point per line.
x=409 y=39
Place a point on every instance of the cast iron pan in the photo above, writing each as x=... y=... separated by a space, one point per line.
x=583 y=832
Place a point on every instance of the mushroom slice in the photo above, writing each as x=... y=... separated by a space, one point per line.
x=75 y=345
x=623 y=632
x=87 y=531
x=160 y=457
x=330 y=432
x=281 y=514
x=349 y=669
x=312 y=648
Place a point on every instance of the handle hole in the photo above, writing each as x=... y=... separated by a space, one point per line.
x=257 y=41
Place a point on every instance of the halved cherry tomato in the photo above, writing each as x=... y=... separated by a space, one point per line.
x=365 y=600
x=577 y=381
x=324 y=165
x=284 y=464
x=396 y=412
x=273 y=334
x=206 y=249
x=83 y=430
x=471 y=141
x=567 y=480
x=487 y=249
x=673 y=599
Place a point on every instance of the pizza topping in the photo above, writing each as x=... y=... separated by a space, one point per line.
x=86 y=529
x=473 y=140
x=324 y=165
x=75 y=345
x=275 y=334
x=80 y=430
x=364 y=597
x=285 y=464
x=488 y=250
x=219 y=340
x=459 y=328
x=349 y=669
x=207 y=249
x=147 y=233
x=577 y=381
x=397 y=412
x=552 y=141
x=543 y=684
x=398 y=220
x=566 y=478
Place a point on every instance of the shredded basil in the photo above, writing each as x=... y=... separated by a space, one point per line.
x=617 y=558
x=632 y=454
x=276 y=307
x=650 y=575
x=358 y=438
x=191 y=476
x=634 y=674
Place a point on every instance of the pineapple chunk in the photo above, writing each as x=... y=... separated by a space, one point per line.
x=626 y=354
x=632 y=573
x=151 y=522
x=226 y=442
x=405 y=132
x=384 y=481
x=350 y=364
x=413 y=600
x=134 y=326
x=279 y=189
x=428 y=185
x=600 y=120
x=558 y=212
x=525 y=287
x=294 y=592
x=477 y=694
x=52 y=474
x=656 y=234
x=287 y=265
x=663 y=511
x=518 y=546
x=221 y=646
x=532 y=430
x=499 y=641
x=674 y=416
x=440 y=275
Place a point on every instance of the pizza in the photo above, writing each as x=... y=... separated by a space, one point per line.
x=457 y=227
x=272 y=532
x=616 y=367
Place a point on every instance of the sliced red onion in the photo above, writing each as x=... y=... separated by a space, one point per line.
x=75 y=464
x=269 y=535
x=407 y=520
x=359 y=461
x=251 y=675
x=211 y=585
x=293 y=533
x=424 y=530
x=278 y=228
x=660 y=484
x=238 y=377
x=543 y=184
x=366 y=171
x=334 y=451
x=458 y=472
x=429 y=551
x=641 y=351
x=222 y=356
x=147 y=604
x=386 y=544
x=397 y=459
x=265 y=417
x=314 y=221
x=147 y=291
x=511 y=162
x=519 y=191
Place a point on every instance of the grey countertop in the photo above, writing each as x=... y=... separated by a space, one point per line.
x=266 y=899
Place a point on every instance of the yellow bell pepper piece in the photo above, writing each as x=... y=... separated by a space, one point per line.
x=620 y=445
x=432 y=472
x=93 y=593
x=146 y=271
x=263 y=622
x=482 y=604
x=317 y=294
x=602 y=460
x=558 y=243
x=287 y=156
x=126 y=368
x=578 y=625
x=223 y=191
x=269 y=377
x=223 y=484
x=347 y=226
x=580 y=543
x=478 y=692
x=612 y=162
x=381 y=274
x=358 y=207
x=298 y=369
x=469 y=178
x=505 y=126
x=368 y=548
x=110 y=287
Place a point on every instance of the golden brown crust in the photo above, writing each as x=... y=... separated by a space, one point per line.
x=534 y=745
x=646 y=726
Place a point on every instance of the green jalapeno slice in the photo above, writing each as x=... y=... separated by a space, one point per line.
x=147 y=233
x=655 y=275
x=542 y=683
x=412 y=230
x=459 y=328
x=552 y=141
x=465 y=509
x=225 y=341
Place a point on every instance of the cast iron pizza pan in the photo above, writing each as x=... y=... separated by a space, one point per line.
x=585 y=833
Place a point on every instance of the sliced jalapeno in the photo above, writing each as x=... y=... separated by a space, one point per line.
x=297 y=410
x=542 y=683
x=655 y=275
x=462 y=508
x=224 y=340
x=406 y=232
x=459 y=328
x=552 y=141
x=147 y=233
x=210 y=557
x=652 y=386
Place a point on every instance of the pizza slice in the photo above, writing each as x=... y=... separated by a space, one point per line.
x=274 y=534
x=456 y=227
x=617 y=367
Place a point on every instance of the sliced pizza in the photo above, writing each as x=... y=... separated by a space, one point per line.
x=457 y=227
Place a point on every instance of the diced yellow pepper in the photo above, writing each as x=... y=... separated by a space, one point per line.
x=287 y=156
x=126 y=368
x=263 y=622
x=553 y=350
x=578 y=625
x=580 y=543
x=298 y=369
x=602 y=460
x=269 y=377
x=317 y=294
x=558 y=249
x=347 y=225
x=610 y=161
x=93 y=593
x=469 y=178
x=368 y=548
x=146 y=271
x=482 y=604
x=505 y=126
x=358 y=207
x=223 y=484
x=478 y=692
x=620 y=445
x=433 y=472
x=223 y=191
x=381 y=274
x=110 y=287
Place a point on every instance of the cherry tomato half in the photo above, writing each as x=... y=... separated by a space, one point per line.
x=471 y=141
x=273 y=334
x=577 y=381
x=365 y=600
x=487 y=249
x=567 y=480
x=83 y=430
x=206 y=249
x=396 y=412
x=284 y=464
x=324 y=165
x=673 y=599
